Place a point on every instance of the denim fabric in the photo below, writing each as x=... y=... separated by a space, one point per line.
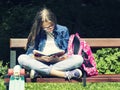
x=71 y=63
x=61 y=35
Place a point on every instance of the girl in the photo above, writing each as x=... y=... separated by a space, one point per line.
x=49 y=37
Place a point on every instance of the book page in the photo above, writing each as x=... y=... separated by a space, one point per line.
x=39 y=53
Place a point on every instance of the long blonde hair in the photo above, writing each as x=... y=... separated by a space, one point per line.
x=44 y=15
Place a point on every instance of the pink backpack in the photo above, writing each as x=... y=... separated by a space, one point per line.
x=78 y=44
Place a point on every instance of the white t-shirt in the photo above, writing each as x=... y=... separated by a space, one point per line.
x=50 y=46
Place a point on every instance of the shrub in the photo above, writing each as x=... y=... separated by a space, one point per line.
x=108 y=60
x=3 y=69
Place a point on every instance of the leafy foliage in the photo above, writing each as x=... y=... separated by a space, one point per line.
x=108 y=60
x=3 y=69
x=83 y=16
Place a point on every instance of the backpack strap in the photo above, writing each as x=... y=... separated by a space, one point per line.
x=76 y=44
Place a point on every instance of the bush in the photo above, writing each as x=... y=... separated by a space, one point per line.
x=108 y=60
x=3 y=69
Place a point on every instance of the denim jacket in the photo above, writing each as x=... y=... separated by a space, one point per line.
x=61 y=37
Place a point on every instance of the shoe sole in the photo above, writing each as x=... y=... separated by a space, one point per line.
x=79 y=72
x=32 y=73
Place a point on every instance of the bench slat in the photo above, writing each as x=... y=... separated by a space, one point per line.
x=103 y=79
x=106 y=76
x=103 y=42
x=97 y=78
x=18 y=42
x=93 y=42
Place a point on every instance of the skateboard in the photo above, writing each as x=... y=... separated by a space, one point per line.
x=17 y=80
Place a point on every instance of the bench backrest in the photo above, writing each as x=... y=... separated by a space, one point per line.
x=93 y=42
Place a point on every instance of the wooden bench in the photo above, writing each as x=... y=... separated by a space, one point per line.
x=93 y=42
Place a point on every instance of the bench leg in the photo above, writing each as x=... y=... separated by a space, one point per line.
x=12 y=58
x=6 y=81
x=7 y=86
x=84 y=78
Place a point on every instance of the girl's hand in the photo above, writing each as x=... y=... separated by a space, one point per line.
x=40 y=58
x=64 y=57
x=43 y=58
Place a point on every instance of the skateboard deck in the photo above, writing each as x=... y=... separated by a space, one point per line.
x=17 y=80
x=16 y=83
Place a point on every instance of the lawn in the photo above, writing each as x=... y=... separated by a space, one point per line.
x=68 y=86
x=73 y=86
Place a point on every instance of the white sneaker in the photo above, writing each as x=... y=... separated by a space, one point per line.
x=77 y=73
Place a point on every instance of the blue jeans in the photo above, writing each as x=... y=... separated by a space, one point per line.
x=70 y=63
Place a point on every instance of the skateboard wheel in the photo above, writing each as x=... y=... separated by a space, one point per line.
x=10 y=71
x=22 y=72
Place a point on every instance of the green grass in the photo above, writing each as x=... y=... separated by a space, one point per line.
x=68 y=86
x=72 y=86
x=2 y=87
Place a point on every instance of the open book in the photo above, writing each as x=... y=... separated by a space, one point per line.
x=39 y=53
